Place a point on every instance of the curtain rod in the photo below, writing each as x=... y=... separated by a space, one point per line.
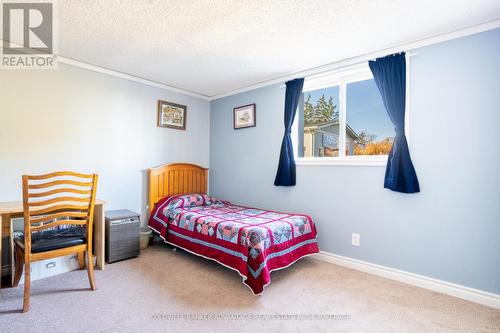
x=356 y=62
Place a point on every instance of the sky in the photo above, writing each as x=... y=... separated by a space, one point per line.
x=365 y=109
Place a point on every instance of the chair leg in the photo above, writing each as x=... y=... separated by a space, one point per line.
x=27 y=281
x=19 y=257
x=81 y=259
x=90 y=269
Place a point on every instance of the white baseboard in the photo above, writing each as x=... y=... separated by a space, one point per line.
x=452 y=289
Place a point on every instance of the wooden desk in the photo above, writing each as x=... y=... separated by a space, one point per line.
x=9 y=210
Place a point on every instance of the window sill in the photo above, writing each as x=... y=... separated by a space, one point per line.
x=346 y=161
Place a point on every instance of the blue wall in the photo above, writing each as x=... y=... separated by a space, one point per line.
x=449 y=231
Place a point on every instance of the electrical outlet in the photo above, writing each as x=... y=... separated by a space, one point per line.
x=355 y=239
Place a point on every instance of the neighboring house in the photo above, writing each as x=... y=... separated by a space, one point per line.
x=322 y=139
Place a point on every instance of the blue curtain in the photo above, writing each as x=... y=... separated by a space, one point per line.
x=390 y=76
x=286 y=168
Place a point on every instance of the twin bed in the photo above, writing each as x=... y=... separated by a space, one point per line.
x=251 y=241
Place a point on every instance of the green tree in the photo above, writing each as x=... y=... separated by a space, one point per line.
x=365 y=138
x=322 y=111
x=308 y=109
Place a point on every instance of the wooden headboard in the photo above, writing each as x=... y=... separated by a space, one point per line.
x=177 y=178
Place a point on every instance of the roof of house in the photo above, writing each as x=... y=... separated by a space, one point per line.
x=323 y=124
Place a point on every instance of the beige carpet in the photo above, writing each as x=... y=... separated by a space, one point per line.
x=138 y=295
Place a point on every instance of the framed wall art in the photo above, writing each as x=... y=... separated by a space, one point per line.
x=171 y=115
x=244 y=116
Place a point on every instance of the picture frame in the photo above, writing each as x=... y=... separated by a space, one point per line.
x=244 y=116
x=171 y=115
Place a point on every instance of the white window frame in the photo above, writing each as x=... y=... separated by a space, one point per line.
x=341 y=78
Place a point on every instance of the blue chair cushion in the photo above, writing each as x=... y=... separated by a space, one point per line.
x=47 y=240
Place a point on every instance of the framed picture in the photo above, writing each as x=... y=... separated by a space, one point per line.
x=171 y=115
x=244 y=116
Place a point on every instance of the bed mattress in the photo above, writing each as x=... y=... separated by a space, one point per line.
x=251 y=241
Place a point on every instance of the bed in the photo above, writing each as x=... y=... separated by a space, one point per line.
x=254 y=242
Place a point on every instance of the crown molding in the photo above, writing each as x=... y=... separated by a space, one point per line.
x=308 y=72
x=102 y=70
x=368 y=56
x=129 y=77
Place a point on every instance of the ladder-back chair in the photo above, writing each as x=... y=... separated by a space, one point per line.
x=58 y=218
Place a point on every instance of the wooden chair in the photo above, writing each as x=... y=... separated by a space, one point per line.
x=54 y=200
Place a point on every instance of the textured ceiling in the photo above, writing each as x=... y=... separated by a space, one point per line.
x=212 y=47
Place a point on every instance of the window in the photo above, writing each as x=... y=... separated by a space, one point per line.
x=341 y=118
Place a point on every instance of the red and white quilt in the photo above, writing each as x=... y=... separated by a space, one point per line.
x=252 y=241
